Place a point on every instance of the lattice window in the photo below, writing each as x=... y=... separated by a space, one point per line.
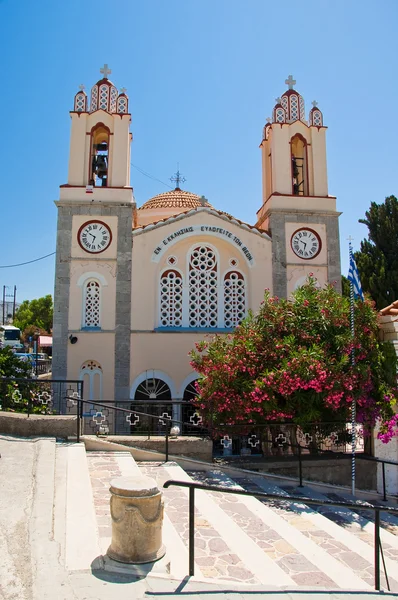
x=122 y=105
x=280 y=115
x=80 y=102
x=317 y=118
x=94 y=99
x=203 y=294
x=104 y=97
x=113 y=99
x=284 y=102
x=92 y=301
x=171 y=299
x=302 y=108
x=294 y=109
x=234 y=299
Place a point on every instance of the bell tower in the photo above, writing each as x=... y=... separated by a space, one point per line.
x=92 y=298
x=297 y=209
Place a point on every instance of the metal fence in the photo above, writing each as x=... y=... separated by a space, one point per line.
x=269 y=439
x=184 y=415
x=39 y=396
x=281 y=440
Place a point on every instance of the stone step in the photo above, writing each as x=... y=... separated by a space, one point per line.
x=243 y=540
x=353 y=548
x=81 y=531
x=222 y=550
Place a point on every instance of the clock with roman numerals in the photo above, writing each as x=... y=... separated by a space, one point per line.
x=94 y=236
x=306 y=243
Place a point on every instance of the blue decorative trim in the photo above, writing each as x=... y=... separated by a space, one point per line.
x=193 y=329
x=91 y=329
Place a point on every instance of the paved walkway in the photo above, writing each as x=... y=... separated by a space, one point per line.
x=55 y=524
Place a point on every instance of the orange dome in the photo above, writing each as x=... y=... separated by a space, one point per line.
x=175 y=199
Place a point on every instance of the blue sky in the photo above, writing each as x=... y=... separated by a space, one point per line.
x=202 y=77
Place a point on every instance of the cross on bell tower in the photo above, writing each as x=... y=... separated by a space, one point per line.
x=290 y=82
x=105 y=71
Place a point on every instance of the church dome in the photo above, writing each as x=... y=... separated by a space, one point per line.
x=178 y=199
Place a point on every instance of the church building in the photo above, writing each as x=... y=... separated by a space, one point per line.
x=136 y=287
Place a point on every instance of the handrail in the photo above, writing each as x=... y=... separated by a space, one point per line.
x=192 y=486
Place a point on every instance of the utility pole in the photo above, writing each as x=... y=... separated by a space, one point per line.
x=13 y=305
x=4 y=303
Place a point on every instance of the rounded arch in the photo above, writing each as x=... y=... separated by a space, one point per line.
x=152 y=374
x=203 y=273
x=99 y=155
x=91 y=275
x=170 y=297
x=299 y=164
x=194 y=376
x=91 y=375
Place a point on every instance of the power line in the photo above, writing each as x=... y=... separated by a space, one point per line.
x=27 y=262
x=151 y=176
x=52 y=253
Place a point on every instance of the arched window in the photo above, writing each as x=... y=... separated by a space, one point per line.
x=104 y=97
x=171 y=283
x=99 y=158
x=302 y=109
x=298 y=146
x=203 y=282
x=122 y=104
x=285 y=103
x=316 y=118
x=80 y=102
x=92 y=304
x=234 y=298
x=91 y=375
x=94 y=98
x=153 y=389
x=280 y=115
x=294 y=107
x=113 y=99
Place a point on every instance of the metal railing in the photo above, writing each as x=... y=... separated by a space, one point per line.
x=130 y=414
x=192 y=486
x=47 y=397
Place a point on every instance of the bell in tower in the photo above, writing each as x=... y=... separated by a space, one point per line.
x=100 y=138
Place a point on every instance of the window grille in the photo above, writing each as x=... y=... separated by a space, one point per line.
x=234 y=299
x=203 y=293
x=171 y=283
x=92 y=298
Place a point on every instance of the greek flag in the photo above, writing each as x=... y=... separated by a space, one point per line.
x=353 y=277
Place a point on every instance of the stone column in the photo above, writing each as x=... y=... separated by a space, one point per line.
x=137 y=518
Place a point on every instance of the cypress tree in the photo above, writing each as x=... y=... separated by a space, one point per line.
x=377 y=260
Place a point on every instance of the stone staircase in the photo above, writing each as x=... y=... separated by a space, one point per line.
x=243 y=540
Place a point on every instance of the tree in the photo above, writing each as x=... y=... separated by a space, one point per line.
x=12 y=366
x=292 y=361
x=35 y=313
x=377 y=260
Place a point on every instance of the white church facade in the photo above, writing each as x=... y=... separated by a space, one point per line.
x=137 y=287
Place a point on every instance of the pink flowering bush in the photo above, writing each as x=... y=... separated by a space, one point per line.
x=291 y=361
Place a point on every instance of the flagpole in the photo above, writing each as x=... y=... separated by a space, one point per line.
x=353 y=402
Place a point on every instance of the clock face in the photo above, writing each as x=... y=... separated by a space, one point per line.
x=306 y=243
x=94 y=236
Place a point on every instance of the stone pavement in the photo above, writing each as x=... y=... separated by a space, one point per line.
x=55 y=525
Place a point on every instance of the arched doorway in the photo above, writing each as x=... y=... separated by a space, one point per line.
x=189 y=413
x=152 y=396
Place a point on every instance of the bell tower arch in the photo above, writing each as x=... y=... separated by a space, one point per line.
x=297 y=209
